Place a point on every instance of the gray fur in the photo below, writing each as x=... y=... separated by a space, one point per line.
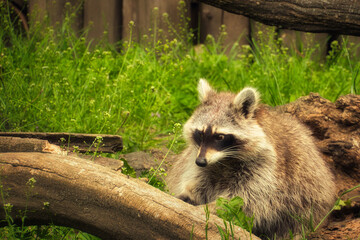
x=277 y=170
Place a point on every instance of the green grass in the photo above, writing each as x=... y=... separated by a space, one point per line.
x=50 y=232
x=53 y=80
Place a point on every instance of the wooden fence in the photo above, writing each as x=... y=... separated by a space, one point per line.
x=113 y=17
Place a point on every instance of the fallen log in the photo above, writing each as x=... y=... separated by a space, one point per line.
x=15 y=144
x=336 y=127
x=78 y=193
x=331 y=16
x=75 y=141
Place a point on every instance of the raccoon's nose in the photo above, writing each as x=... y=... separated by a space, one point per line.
x=201 y=162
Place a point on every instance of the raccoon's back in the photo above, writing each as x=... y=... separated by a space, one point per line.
x=301 y=170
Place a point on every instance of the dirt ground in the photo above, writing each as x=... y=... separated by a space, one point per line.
x=343 y=224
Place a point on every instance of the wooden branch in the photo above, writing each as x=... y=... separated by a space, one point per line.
x=332 y=16
x=83 y=142
x=74 y=192
x=15 y=144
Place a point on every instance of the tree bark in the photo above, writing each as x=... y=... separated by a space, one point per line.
x=336 y=127
x=78 y=193
x=331 y=16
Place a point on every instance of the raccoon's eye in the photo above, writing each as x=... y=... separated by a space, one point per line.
x=198 y=137
x=219 y=137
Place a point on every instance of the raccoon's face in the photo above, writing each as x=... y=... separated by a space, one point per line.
x=212 y=146
x=223 y=124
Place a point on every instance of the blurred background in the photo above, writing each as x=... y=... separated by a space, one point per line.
x=110 y=20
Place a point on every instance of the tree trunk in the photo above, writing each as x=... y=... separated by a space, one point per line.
x=336 y=127
x=78 y=193
x=331 y=16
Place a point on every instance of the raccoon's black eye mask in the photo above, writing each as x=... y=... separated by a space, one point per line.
x=216 y=141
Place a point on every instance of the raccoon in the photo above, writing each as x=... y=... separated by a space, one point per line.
x=239 y=147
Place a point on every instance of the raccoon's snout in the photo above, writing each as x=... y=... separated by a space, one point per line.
x=201 y=162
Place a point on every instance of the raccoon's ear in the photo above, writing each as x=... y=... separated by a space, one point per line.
x=246 y=101
x=204 y=89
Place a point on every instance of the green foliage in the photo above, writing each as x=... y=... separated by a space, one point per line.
x=339 y=204
x=44 y=232
x=127 y=169
x=156 y=177
x=55 y=81
x=207 y=216
x=97 y=143
x=232 y=214
x=231 y=211
x=307 y=223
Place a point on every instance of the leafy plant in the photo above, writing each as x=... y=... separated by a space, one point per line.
x=97 y=143
x=155 y=176
x=127 y=169
x=231 y=211
x=12 y=230
x=307 y=224
x=232 y=214
x=339 y=204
